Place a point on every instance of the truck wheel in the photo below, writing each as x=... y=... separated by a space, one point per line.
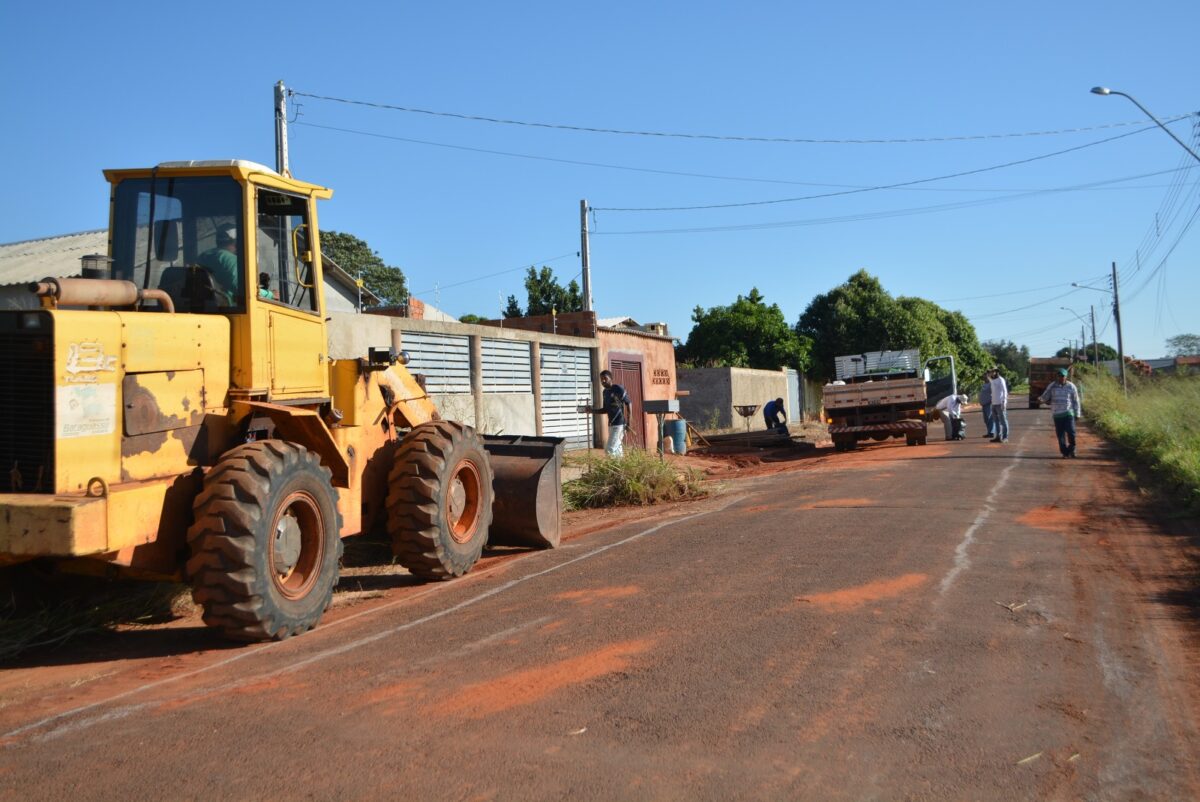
x=439 y=504
x=266 y=542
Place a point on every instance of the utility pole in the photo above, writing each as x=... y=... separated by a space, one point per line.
x=1117 y=318
x=281 y=145
x=1082 y=344
x=584 y=253
x=1095 y=345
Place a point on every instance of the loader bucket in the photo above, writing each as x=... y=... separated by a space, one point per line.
x=527 y=509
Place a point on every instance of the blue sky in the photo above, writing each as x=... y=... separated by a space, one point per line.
x=90 y=86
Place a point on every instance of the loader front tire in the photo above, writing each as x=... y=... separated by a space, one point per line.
x=266 y=542
x=439 y=503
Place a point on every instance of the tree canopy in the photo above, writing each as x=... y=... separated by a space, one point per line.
x=1107 y=352
x=746 y=334
x=357 y=258
x=861 y=316
x=1183 y=345
x=544 y=294
x=1008 y=355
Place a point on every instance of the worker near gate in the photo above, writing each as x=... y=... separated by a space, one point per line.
x=775 y=415
x=985 y=404
x=221 y=263
x=999 y=406
x=617 y=406
x=1063 y=398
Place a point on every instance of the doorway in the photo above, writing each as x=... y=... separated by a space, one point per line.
x=627 y=372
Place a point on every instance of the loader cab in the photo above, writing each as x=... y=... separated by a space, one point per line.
x=237 y=239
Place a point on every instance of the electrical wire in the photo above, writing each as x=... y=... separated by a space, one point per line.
x=525 y=266
x=896 y=185
x=717 y=137
x=905 y=212
x=687 y=174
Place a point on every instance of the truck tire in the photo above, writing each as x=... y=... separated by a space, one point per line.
x=266 y=542
x=439 y=502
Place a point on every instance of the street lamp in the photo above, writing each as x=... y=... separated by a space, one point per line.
x=1103 y=90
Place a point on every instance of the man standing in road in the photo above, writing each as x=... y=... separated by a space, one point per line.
x=616 y=405
x=985 y=404
x=999 y=406
x=1063 y=398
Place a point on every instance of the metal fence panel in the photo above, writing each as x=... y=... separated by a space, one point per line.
x=443 y=359
x=566 y=384
x=506 y=366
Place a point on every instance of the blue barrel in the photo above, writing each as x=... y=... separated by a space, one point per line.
x=677 y=431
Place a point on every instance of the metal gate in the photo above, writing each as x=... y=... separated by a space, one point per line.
x=566 y=385
x=628 y=374
x=506 y=366
x=795 y=399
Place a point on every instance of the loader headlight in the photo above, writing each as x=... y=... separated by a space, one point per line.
x=829 y=421
x=32 y=321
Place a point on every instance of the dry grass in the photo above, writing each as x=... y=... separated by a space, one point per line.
x=637 y=479
x=63 y=609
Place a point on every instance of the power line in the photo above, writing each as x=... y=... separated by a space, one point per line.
x=443 y=287
x=687 y=174
x=717 y=137
x=875 y=188
x=858 y=217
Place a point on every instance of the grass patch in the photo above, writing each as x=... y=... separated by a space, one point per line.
x=1157 y=425
x=60 y=611
x=636 y=479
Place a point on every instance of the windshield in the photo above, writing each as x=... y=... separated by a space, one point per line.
x=195 y=253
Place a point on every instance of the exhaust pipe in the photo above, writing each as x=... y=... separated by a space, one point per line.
x=97 y=292
x=527 y=505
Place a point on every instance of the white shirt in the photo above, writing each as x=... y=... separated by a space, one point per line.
x=951 y=405
x=999 y=392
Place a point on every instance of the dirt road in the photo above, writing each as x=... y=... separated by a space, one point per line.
x=959 y=621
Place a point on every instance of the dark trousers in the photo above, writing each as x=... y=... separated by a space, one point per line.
x=1064 y=428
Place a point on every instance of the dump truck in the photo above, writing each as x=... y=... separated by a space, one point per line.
x=1042 y=370
x=176 y=413
x=885 y=394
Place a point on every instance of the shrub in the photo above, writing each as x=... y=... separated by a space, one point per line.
x=638 y=478
x=1157 y=425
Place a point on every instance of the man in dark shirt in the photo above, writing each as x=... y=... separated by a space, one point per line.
x=617 y=406
x=775 y=415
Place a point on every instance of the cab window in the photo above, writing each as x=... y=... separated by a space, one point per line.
x=184 y=236
x=285 y=259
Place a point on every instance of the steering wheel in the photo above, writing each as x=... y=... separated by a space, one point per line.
x=201 y=287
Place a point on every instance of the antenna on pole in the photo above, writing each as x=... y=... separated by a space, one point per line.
x=281 y=143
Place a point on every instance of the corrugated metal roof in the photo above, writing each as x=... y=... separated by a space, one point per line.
x=33 y=259
x=30 y=260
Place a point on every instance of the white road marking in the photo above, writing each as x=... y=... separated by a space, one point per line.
x=962 y=560
x=321 y=655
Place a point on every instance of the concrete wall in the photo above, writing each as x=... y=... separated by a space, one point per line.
x=351 y=334
x=713 y=393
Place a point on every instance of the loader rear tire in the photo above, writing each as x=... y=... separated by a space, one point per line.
x=266 y=542
x=439 y=503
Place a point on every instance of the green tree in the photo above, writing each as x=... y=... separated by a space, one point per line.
x=357 y=258
x=747 y=334
x=1107 y=352
x=545 y=294
x=1183 y=345
x=471 y=318
x=861 y=316
x=1013 y=358
x=512 y=308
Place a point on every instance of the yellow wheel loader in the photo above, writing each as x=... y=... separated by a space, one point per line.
x=175 y=413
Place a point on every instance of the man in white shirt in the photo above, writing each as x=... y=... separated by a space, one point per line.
x=951 y=409
x=999 y=405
